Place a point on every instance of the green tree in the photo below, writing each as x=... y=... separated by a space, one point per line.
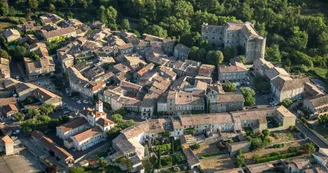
x=102 y=14
x=33 y=113
x=143 y=24
x=175 y=26
x=159 y=159
x=265 y=132
x=46 y=109
x=287 y=103
x=52 y=8
x=257 y=143
x=201 y=55
x=273 y=53
x=229 y=87
x=4 y=54
x=191 y=39
x=19 y=116
x=298 y=40
x=76 y=169
x=19 y=52
x=147 y=165
x=309 y=148
x=172 y=145
x=4 y=8
x=250 y=101
x=112 y=15
x=117 y=118
x=240 y=159
x=127 y=163
x=103 y=164
x=183 y=9
x=125 y=24
x=33 y=4
x=245 y=12
x=193 y=53
x=203 y=17
x=247 y=92
x=70 y=2
x=156 y=30
x=214 y=57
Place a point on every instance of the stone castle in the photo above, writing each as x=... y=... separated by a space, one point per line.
x=236 y=34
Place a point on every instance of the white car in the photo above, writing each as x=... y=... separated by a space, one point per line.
x=78 y=102
x=16 y=132
x=85 y=101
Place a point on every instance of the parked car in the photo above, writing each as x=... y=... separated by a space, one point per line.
x=16 y=132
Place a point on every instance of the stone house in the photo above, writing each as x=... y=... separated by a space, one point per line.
x=181 y=102
x=61 y=32
x=284 y=87
x=7 y=145
x=71 y=128
x=226 y=102
x=38 y=68
x=50 y=146
x=126 y=48
x=47 y=97
x=192 y=160
x=181 y=51
x=317 y=106
x=232 y=73
x=82 y=85
x=298 y=165
x=203 y=123
x=4 y=68
x=8 y=111
x=206 y=70
x=236 y=34
x=11 y=35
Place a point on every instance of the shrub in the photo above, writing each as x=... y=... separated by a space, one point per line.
x=189 y=131
x=195 y=146
x=163 y=147
x=166 y=161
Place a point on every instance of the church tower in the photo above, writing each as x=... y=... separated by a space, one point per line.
x=99 y=106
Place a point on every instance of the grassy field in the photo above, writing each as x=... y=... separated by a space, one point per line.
x=9 y=22
x=5 y=25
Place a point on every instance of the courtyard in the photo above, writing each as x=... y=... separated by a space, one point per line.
x=25 y=162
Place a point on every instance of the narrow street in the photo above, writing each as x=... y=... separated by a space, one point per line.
x=319 y=141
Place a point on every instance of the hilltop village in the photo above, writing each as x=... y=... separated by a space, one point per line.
x=84 y=97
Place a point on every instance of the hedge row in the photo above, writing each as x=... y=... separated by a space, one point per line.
x=276 y=157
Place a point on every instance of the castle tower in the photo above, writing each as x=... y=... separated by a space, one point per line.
x=99 y=106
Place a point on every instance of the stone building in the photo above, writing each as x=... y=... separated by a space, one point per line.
x=226 y=102
x=237 y=34
x=181 y=51
x=284 y=87
x=233 y=73
x=317 y=106
x=7 y=145
x=181 y=102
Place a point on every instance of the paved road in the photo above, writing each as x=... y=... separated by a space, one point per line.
x=311 y=135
